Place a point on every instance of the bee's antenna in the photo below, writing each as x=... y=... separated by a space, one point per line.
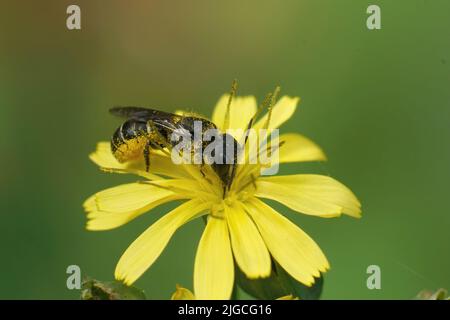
x=226 y=122
x=273 y=99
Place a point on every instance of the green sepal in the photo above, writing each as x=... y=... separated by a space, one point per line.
x=440 y=294
x=278 y=284
x=92 y=289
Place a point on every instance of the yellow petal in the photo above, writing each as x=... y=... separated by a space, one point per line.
x=182 y=294
x=159 y=163
x=249 y=249
x=297 y=148
x=294 y=250
x=310 y=194
x=141 y=254
x=128 y=197
x=162 y=164
x=289 y=147
x=116 y=206
x=288 y=297
x=185 y=188
x=103 y=157
x=214 y=269
x=90 y=204
x=242 y=109
x=107 y=221
x=281 y=112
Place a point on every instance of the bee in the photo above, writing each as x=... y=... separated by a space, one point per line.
x=149 y=129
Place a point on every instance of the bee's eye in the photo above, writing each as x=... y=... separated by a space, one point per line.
x=132 y=128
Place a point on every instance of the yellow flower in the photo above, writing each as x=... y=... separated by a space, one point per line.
x=240 y=226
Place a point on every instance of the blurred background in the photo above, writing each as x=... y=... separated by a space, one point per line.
x=378 y=102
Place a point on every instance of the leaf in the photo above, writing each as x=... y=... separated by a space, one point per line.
x=278 y=284
x=96 y=290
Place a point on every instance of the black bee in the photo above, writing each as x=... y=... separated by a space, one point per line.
x=147 y=129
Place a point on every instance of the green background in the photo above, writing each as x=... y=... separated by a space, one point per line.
x=376 y=101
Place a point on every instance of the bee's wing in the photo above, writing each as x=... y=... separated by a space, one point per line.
x=165 y=123
x=132 y=112
x=172 y=130
x=168 y=125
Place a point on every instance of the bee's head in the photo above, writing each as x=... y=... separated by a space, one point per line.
x=225 y=158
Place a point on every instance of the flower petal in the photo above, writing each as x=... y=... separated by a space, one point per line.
x=159 y=163
x=281 y=112
x=242 y=109
x=310 y=194
x=185 y=188
x=290 y=147
x=297 y=148
x=294 y=250
x=249 y=249
x=162 y=164
x=103 y=157
x=116 y=206
x=128 y=197
x=141 y=254
x=214 y=268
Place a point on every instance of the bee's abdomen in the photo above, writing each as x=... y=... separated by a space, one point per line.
x=129 y=140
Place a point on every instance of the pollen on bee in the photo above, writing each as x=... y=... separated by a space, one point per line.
x=130 y=149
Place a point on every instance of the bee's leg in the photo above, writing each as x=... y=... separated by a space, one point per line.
x=202 y=165
x=253 y=180
x=202 y=168
x=147 y=156
x=231 y=177
x=161 y=139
